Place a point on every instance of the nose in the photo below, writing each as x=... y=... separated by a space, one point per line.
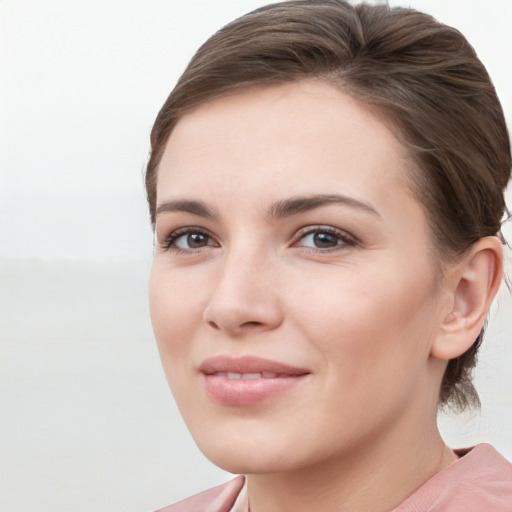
x=245 y=296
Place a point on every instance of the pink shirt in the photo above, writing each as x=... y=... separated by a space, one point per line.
x=479 y=481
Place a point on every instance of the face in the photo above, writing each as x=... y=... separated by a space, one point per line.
x=293 y=295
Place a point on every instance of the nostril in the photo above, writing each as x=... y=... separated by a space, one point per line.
x=213 y=325
x=251 y=324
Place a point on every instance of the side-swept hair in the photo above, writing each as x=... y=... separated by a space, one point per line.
x=418 y=75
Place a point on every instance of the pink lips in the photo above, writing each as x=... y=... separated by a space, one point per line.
x=248 y=380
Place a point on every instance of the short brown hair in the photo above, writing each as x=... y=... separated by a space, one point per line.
x=419 y=75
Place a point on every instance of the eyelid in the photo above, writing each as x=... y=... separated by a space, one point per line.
x=346 y=238
x=167 y=244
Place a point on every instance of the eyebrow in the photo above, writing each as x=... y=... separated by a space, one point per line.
x=282 y=208
x=185 y=205
x=300 y=204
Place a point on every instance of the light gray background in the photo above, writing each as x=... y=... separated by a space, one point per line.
x=86 y=420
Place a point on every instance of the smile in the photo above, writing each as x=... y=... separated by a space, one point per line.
x=256 y=375
x=248 y=380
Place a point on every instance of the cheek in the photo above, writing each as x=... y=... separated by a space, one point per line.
x=175 y=313
x=175 y=301
x=368 y=324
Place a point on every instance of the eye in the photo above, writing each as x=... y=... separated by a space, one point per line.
x=192 y=241
x=324 y=238
x=188 y=240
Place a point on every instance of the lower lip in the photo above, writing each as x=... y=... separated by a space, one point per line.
x=243 y=392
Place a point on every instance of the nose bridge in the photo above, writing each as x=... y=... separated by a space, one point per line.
x=245 y=294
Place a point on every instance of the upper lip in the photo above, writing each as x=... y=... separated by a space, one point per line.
x=247 y=364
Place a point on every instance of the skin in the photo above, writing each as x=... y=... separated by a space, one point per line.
x=367 y=314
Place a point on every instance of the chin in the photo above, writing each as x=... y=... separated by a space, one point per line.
x=247 y=453
x=236 y=465
x=248 y=462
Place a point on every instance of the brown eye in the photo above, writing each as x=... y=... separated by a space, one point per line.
x=325 y=238
x=188 y=239
x=193 y=241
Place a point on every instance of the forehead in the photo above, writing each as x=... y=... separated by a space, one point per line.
x=303 y=136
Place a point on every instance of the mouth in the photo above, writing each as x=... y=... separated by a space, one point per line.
x=254 y=375
x=248 y=380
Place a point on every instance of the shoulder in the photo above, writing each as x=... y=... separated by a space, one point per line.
x=216 y=499
x=481 y=479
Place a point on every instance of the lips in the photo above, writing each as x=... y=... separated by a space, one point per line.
x=248 y=380
x=254 y=375
x=246 y=365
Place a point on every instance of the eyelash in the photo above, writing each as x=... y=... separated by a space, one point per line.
x=345 y=239
x=169 y=243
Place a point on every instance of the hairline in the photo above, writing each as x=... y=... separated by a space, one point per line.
x=439 y=256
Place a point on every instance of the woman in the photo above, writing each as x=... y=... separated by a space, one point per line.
x=326 y=184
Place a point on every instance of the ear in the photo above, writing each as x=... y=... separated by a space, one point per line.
x=472 y=285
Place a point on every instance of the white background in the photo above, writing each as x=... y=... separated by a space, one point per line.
x=86 y=420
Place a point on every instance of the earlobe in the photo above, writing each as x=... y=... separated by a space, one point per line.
x=473 y=284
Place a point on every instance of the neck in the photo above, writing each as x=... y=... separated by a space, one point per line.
x=375 y=477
